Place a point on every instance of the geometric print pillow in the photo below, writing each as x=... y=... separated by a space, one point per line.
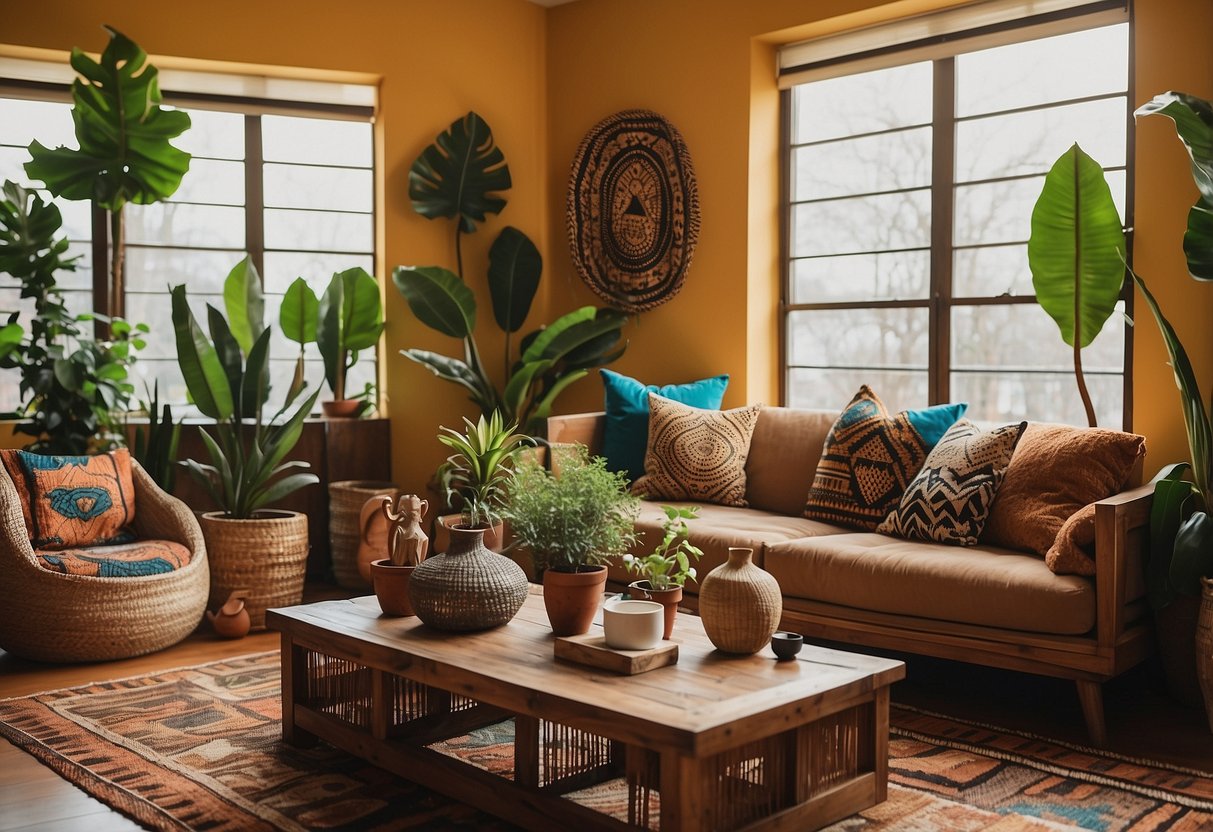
x=79 y=500
x=951 y=497
x=696 y=454
x=870 y=457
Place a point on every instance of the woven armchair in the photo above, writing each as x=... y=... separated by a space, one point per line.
x=53 y=617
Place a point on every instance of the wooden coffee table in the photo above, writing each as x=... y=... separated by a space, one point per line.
x=716 y=741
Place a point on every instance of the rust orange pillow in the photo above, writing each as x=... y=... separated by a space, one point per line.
x=1056 y=470
x=79 y=500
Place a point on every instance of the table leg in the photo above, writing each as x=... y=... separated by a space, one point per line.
x=880 y=759
x=294 y=689
x=684 y=786
x=526 y=751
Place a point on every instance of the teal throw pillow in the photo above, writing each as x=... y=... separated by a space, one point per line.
x=627 y=414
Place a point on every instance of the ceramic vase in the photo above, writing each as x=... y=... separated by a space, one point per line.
x=668 y=598
x=1204 y=647
x=468 y=587
x=572 y=599
x=232 y=619
x=740 y=604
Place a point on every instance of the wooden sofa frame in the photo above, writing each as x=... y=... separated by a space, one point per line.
x=1122 y=636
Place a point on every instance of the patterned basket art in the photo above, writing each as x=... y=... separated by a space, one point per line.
x=633 y=210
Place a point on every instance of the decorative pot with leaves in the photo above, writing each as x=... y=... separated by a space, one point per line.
x=479 y=472
x=227 y=375
x=572 y=524
x=664 y=572
x=463 y=176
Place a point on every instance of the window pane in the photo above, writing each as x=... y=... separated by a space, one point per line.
x=156 y=269
x=887 y=162
x=1045 y=397
x=991 y=272
x=1023 y=335
x=214 y=135
x=843 y=106
x=899 y=275
x=282 y=267
x=1001 y=212
x=832 y=389
x=168 y=223
x=316 y=141
x=338 y=189
x=12 y=161
x=156 y=311
x=1026 y=143
x=318 y=230
x=871 y=223
x=1049 y=69
x=858 y=338
x=50 y=122
x=217 y=183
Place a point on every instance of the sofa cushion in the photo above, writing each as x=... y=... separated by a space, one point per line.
x=983 y=586
x=1056 y=470
x=79 y=500
x=127 y=560
x=784 y=452
x=870 y=457
x=715 y=530
x=625 y=436
x=696 y=454
x=950 y=498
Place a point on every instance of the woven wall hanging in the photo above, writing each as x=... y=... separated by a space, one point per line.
x=633 y=210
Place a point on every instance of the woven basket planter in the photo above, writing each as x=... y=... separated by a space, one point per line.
x=346 y=499
x=265 y=557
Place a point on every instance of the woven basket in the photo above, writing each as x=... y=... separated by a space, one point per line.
x=468 y=587
x=265 y=557
x=740 y=604
x=346 y=499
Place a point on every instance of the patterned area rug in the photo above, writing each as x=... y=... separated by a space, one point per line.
x=198 y=748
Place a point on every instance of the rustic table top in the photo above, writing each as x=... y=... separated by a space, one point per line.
x=706 y=702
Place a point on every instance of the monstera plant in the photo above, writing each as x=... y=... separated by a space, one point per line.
x=462 y=177
x=124 y=155
x=1076 y=254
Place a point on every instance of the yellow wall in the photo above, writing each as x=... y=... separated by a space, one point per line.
x=437 y=60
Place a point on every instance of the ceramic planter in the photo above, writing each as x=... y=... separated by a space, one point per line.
x=391 y=584
x=572 y=599
x=340 y=408
x=668 y=598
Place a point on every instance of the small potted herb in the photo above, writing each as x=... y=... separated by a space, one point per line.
x=572 y=523
x=480 y=471
x=663 y=573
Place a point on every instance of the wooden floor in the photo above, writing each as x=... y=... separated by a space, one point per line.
x=1142 y=721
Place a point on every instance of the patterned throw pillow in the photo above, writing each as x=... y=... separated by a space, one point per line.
x=79 y=500
x=951 y=497
x=696 y=454
x=870 y=457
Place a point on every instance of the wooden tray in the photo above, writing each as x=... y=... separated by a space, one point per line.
x=591 y=649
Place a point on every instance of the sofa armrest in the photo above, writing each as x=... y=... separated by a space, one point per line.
x=578 y=429
x=1122 y=534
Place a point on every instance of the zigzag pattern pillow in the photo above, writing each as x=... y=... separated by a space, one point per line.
x=950 y=499
x=870 y=457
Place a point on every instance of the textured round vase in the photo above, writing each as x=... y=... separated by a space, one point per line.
x=1204 y=647
x=469 y=587
x=740 y=604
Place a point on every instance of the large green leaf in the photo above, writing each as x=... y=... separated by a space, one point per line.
x=515 y=267
x=457 y=371
x=537 y=347
x=438 y=298
x=227 y=349
x=1193 y=119
x=361 y=310
x=297 y=315
x=123 y=134
x=458 y=175
x=1076 y=251
x=1168 y=509
x=244 y=300
x=255 y=388
x=328 y=330
x=204 y=374
x=1193 y=558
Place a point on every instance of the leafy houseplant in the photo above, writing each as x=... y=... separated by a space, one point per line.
x=155 y=445
x=72 y=384
x=461 y=177
x=669 y=564
x=124 y=155
x=481 y=468
x=1076 y=254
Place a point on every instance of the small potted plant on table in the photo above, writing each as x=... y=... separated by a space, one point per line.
x=663 y=573
x=572 y=523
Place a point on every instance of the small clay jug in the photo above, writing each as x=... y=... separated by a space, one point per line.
x=232 y=619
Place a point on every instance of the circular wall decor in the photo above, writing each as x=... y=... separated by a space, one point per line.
x=633 y=210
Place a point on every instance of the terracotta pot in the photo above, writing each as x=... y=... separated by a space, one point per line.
x=572 y=599
x=668 y=598
x=264 y=557
x=340 y=408
x=392 y=587
x=232 y=619
x=1204 y=647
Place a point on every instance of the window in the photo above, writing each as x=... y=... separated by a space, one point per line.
x=295 y=192
x=911 y=190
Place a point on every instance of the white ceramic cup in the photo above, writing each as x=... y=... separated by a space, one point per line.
x=633 y=625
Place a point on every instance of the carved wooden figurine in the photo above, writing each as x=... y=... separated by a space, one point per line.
x=407 y=544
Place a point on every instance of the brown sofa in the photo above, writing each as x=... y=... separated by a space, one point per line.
x=982 y=604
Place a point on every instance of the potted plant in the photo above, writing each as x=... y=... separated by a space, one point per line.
x=663 y=572
x=478 y=474
x=250 y=546
x=572 y=524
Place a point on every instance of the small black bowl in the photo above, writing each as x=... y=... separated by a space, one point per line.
x=785 y=646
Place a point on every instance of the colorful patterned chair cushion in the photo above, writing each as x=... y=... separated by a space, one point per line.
x=870 y=457
x=125 y=560
x=78 y=500
x=950 y=499
x=696 y=454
